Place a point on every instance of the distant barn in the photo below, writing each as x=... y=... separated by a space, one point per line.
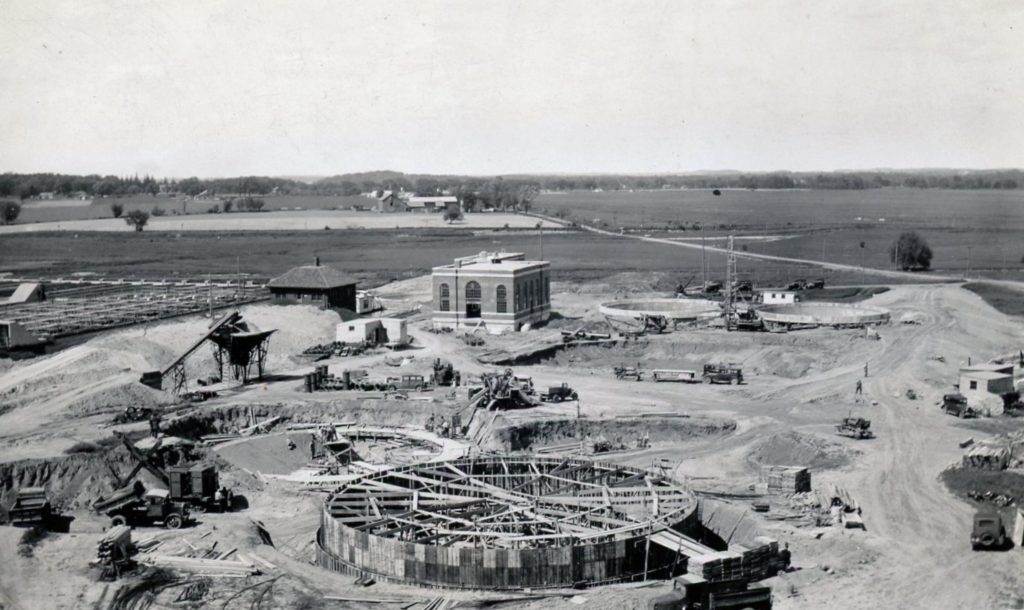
x=315 y=284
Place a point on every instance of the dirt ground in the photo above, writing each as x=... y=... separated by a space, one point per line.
x=914 y=552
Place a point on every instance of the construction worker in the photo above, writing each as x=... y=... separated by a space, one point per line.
x=860 y=388
x=291 y=445
x=785 y=557
x=218 y=498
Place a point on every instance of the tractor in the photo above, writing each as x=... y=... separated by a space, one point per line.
x=855 y=427
x=720 y=373
x=628 y=372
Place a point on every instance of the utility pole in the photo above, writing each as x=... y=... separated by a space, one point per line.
x=968 y=273
x=703 y=260
x=541 y=225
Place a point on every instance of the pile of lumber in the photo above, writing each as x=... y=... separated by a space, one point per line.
x=717 y=566
x=987 y=457
x=755 y=559
x=208 y=567
x=786 y=480
x=115 y=545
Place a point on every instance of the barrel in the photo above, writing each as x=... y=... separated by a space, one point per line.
x=308 y=382
x=346 y=379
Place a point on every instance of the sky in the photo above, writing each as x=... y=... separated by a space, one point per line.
x=307 y=87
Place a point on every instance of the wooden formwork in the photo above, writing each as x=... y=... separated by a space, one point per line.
x=504 y=523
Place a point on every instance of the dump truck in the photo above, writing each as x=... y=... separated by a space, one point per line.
x=135 y=505
x=956 y=404
x=407 y=382
x=855 y=427
x=558 y=393
x=989 y=532
x=692 y=592
x=31 y=508
x=721 y=373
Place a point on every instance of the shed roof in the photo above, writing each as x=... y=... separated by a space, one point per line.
x=985 y=375
x=312 y=276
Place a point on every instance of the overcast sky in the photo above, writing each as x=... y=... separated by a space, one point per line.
x=219 y=88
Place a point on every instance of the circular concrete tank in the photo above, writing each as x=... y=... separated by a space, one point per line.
x=677 y=310
x=822 y=314
x=505 y=522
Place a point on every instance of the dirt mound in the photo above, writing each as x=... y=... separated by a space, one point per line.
x=797 y=449
x=504 y=436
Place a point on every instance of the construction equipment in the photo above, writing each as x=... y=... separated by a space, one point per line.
x=31 y=508
x=677 y=375
x=134 y=505
x=571 y=336
x=956 y=404
x=444 y=374
x=744 y=320
x=558 y=393
x=154 y=379
x=472 y=340
x=797 y=285
x=711 y=287
x=503 y=391
x=407 y=382
x=653 y=324
x=989 y=532
x=628 y=372
x=133 y=414
x=855 y=427
x=692 y=592
x=816 y=284
x=720 y=373
x=196 y=485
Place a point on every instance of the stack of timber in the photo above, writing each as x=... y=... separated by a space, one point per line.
x=115 y=545
x=208 y=567
x=987 y=457
x=786 y=480
x=756 y=557
x=721 y=565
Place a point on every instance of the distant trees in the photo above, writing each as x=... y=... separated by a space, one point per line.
x=228 y=204
x=251 y=204
x=116 y=209
x=9 y=211
x=159 y=211
x=911 y=252
x=137 y=219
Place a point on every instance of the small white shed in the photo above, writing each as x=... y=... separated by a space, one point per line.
x=360 y=330
x=396 y=330
x=778 y=297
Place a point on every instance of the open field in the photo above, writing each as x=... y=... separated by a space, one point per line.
x=754 y=210
x=314 y=220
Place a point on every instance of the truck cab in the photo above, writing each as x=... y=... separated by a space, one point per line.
x=956 y=404
x=989 y=531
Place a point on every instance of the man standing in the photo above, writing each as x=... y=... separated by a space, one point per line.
x=860 y=388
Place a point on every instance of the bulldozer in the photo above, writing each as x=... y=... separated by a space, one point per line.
x=855 y=427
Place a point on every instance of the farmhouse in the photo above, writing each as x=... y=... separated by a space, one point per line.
x=314 y=285
x=431 y=204
x=499 y=291
x=777 y=297
x=390 y=202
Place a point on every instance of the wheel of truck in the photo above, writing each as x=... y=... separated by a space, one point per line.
x=118 y=520
x=734 y=381
x=556 y=398
x=574 y=396
x=706 y=380
x=392 y=388
x=987 y=539
x=173 y=522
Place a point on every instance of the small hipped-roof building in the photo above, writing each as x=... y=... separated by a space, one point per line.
x=314 y=284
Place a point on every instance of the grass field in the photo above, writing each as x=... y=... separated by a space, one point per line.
x=1006 y=300
x=373 y=256
x=777 y=210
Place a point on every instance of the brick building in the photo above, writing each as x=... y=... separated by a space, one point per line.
x=314 y=285
x=499 y=291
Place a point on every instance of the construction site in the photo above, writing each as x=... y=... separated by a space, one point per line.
x=712 y=448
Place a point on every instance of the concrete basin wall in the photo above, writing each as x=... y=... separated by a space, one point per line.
x=673 y=309
x=823 y=314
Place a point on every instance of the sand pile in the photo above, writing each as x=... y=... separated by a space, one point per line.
x=797 y=449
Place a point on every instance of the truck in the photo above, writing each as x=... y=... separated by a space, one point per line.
x=628 y=372
x=31 y=508
x=444 y=373
x=135 y=505
x=956 y=404
x=797 y=285
x=692 y=592
x=407 y=382
x=989 y=531
x=855 y=427
x=678 y=375
x=558 y=393
x=721 y=373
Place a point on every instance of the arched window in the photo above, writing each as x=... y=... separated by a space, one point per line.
x=502 y=298
x=473 y=297
x=446 y=303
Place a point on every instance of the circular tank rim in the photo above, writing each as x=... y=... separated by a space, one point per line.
x=822 y=313
x=673 y=309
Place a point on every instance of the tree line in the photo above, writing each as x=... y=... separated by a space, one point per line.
x=495 y=191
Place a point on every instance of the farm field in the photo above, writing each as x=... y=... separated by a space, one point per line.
x=291 y=220
x=758 y=210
